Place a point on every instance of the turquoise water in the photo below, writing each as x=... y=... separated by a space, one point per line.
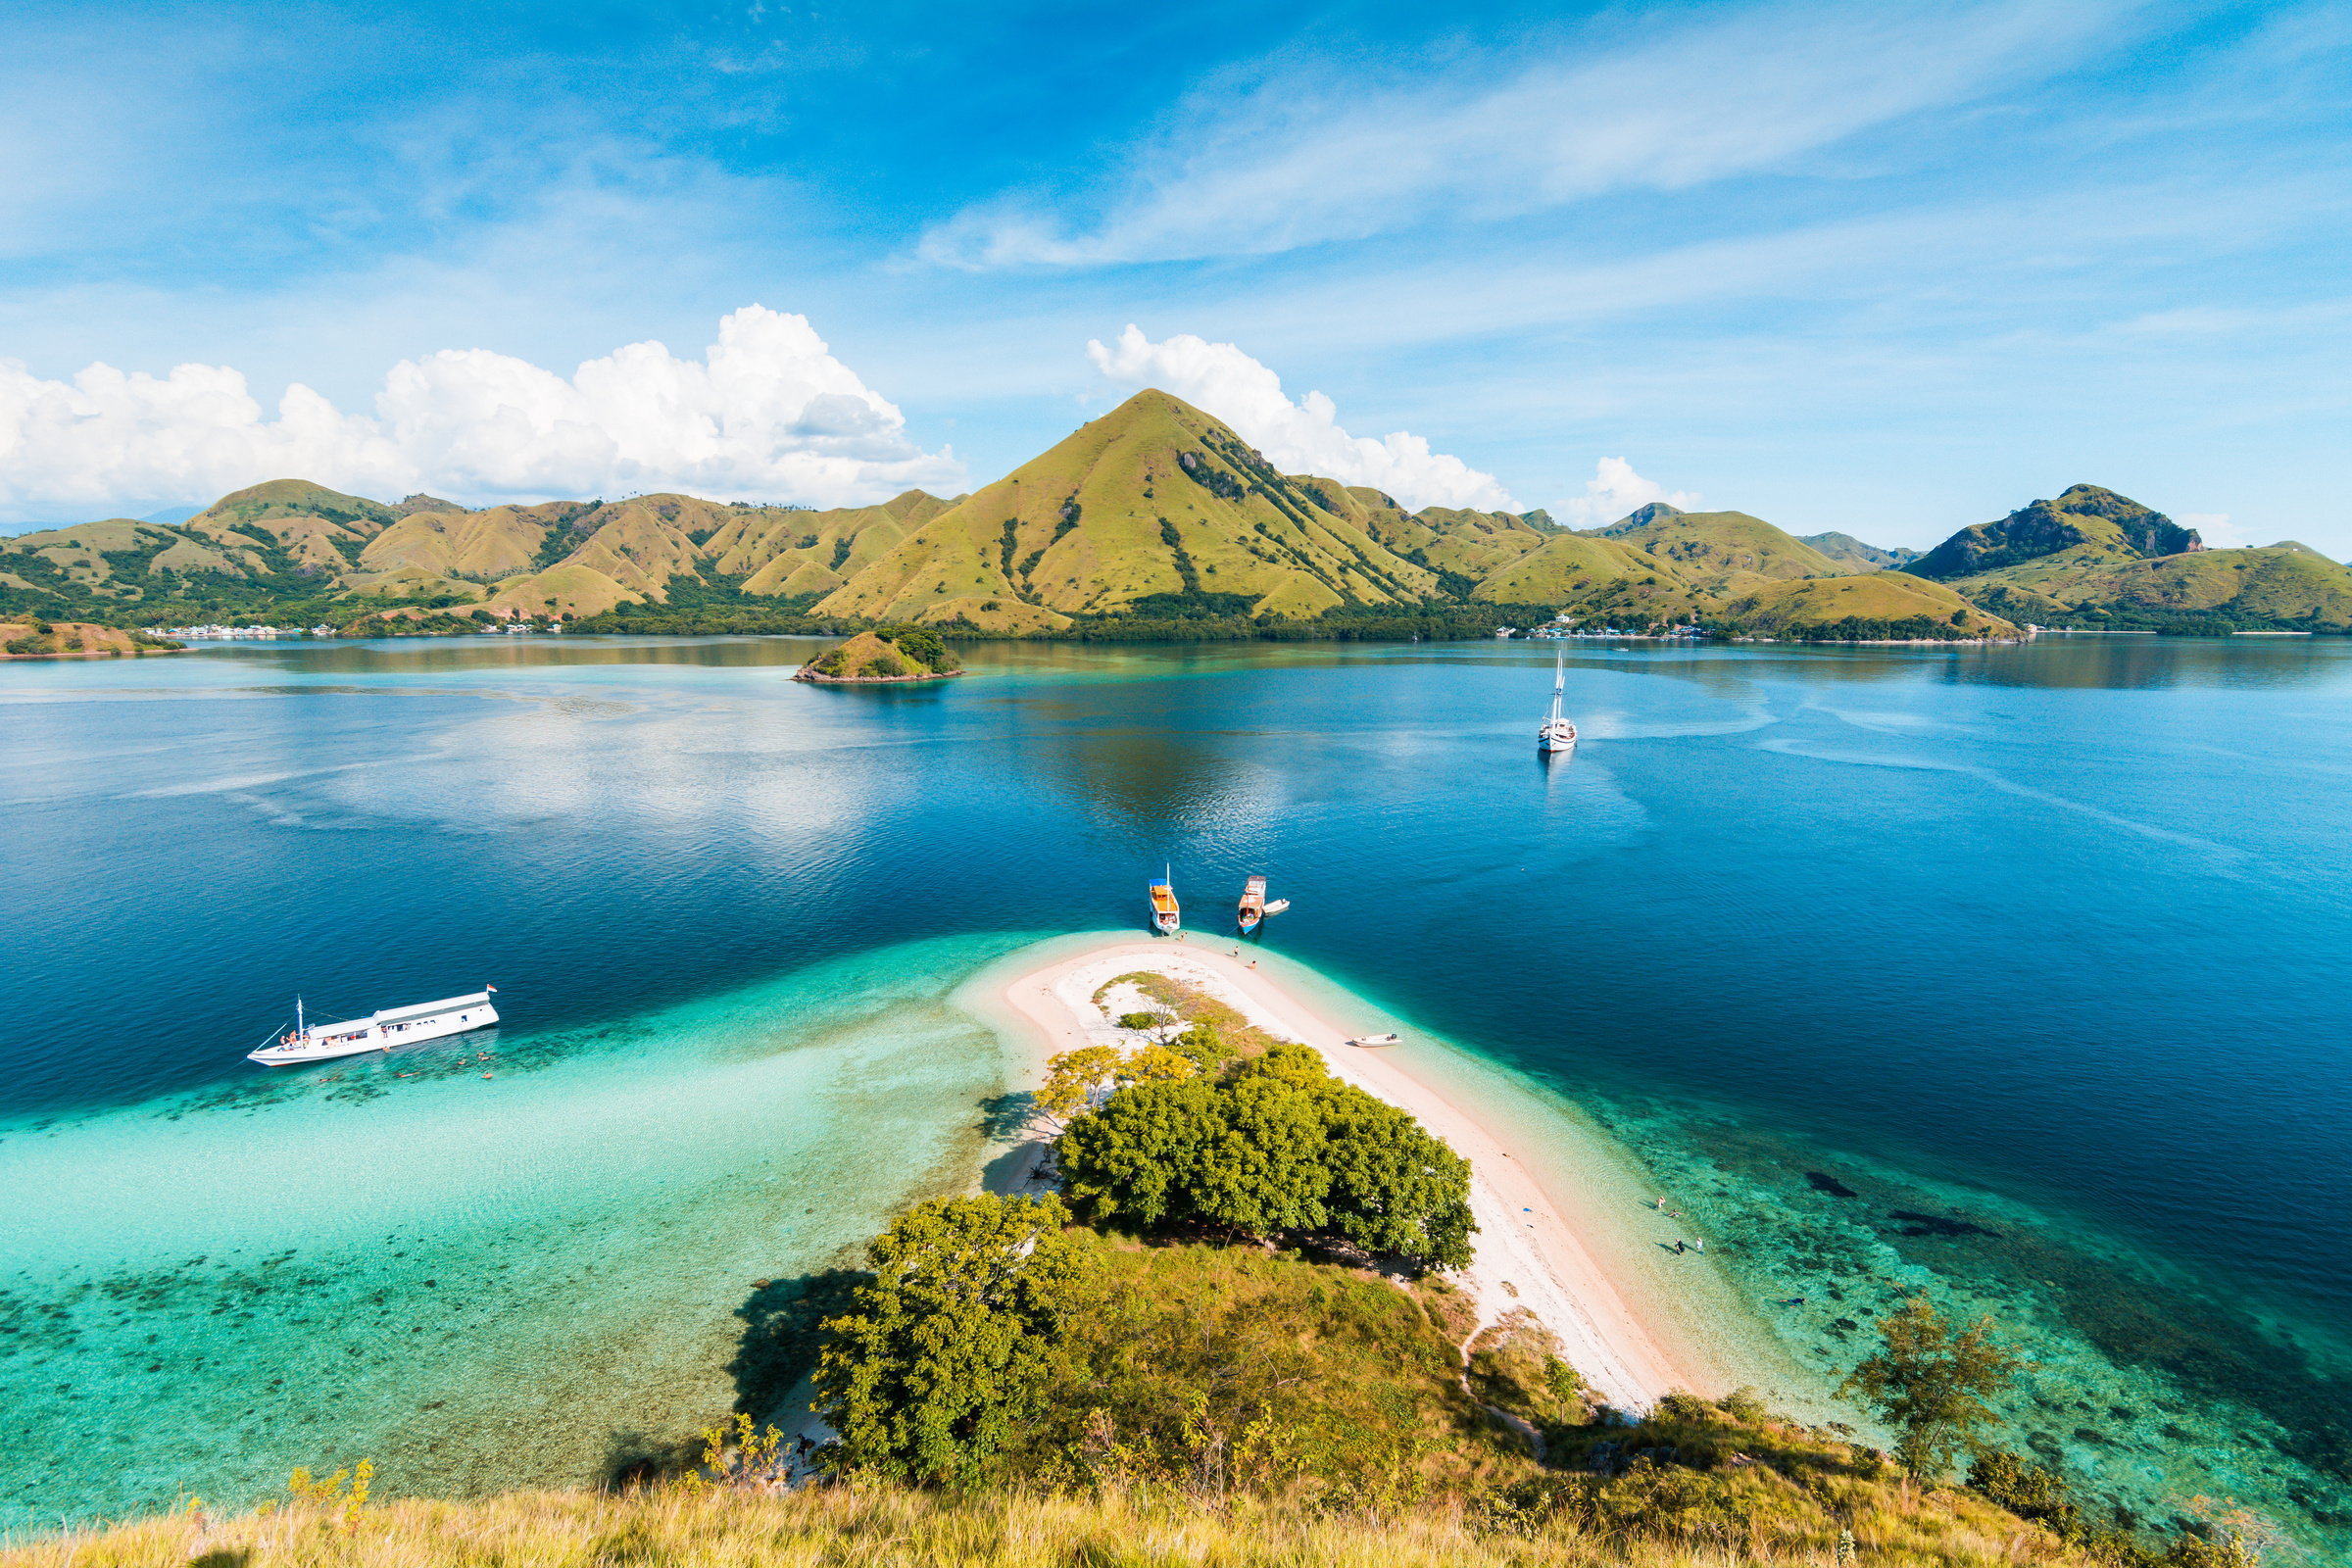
x=2011 y=974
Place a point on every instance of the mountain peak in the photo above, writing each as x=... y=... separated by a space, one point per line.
x=1654 y=511
x=2084 y=516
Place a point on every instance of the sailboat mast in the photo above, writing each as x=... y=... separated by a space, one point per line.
x=297 y=1027
x=1559 y=683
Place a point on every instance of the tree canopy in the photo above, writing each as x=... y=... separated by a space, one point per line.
x=947 y=1349
x=1278 y=1145
x=1932 y=1383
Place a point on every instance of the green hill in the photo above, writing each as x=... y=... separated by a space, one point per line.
x=1854 y=551
x=1866 y=606
x=1596 y=578
x=1460 y=547
x=2087 y=522
x=1153 y=507
x=1715 y=549
x=2283 y=585
x=2092 y=556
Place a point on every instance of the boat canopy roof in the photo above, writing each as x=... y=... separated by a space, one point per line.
x=395 y=1015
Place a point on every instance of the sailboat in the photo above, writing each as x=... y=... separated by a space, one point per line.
x=1166 y=918
x=1254 y=905
x=1557 y=734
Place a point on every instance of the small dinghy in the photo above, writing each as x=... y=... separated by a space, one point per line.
x=1377 y=1040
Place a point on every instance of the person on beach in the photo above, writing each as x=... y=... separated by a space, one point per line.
x=1679 y=1245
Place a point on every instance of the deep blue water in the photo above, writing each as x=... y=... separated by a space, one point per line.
x=2048 y=940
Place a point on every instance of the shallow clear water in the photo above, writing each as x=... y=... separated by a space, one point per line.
x=2036 y=953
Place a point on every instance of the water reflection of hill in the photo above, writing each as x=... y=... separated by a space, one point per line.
x=442 y=655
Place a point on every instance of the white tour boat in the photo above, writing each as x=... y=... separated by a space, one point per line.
x=378 y=1030
x=1557 y=734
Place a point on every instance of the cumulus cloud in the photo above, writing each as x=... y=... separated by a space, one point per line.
x=1290 y=159
x=767 y=412
x=1302 y=437
x=2215 y=528
x=1614 y=490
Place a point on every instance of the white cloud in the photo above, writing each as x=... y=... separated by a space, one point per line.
x=767 y=413
x=2215 y=528
x=1301 y=437
x=1286 y=161
x=1614 y=490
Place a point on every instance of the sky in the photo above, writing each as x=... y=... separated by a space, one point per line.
x=1887 y=270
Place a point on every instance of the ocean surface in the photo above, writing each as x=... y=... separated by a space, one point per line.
x=2017 y=975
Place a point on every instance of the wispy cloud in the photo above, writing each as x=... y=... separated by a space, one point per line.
x=767 y=412
x=1301 y=437
x=1284 y=162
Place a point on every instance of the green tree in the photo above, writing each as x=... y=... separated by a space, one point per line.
x=1206 y=1047
x=1278 y=1146
x=1073 y=1077
x=1134 y=1161
x=1932 y=1383
x=949 y=1349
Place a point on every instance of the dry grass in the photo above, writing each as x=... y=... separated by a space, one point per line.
x=890 y=1527
x=1191 y=1004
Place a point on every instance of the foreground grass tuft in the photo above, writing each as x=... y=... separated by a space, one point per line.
x=885 y=1527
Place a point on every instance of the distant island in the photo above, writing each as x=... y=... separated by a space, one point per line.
x=885 y=657
x=1156 y=521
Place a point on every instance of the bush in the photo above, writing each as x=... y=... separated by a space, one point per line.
x=923 y=645
x=948 y=1351
x=1142 y=1020
x=1515 y=1365
x=1279 y=1146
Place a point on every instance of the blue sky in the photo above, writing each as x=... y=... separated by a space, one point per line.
x=1888 y=270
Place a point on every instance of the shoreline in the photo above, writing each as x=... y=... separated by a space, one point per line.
x=1545 y=1239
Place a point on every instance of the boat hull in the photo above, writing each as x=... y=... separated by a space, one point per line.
x=383 y=1033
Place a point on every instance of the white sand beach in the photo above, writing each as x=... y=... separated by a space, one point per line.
x=1530 y=1253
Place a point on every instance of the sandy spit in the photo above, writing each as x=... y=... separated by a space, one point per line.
x=1529 y=1254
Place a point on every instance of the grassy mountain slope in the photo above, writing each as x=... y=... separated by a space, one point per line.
x=1714 y=549
x=410 y=582
x=2287 y=582
x=1808 y=604
x=320 y=529
x=1591 y=574
x=1154 y=501
x=103 y=557
x=796 y=554
x=1844 y=547
x=1472 y=545
x=500 y=542
x=2087 y=523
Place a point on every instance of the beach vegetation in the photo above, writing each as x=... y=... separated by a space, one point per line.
x=1516 y=1365
x=1205 y=1045
x=1932 y=1383
x=946 y=1351
x=1274 y=1147
x=1230 y=1034
x=1073 y=1078
x=1144 y=1020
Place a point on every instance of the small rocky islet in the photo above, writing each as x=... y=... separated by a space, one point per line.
x=892 y=655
